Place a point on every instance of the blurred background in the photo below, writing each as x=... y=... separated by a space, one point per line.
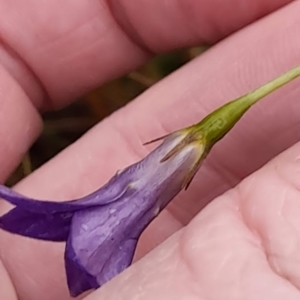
x=63 y=127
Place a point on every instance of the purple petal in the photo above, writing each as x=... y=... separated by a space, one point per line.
x=103 y=240
x=52 y=227
x=105 y=268
x=37 y=206
x=79 y=280
x=105 y=226
x=102 y=196
x=120 y=258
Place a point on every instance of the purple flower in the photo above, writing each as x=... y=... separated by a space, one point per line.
x=101 y=230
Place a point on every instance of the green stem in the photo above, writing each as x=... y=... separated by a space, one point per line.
x=274 y=84
x=213 y=127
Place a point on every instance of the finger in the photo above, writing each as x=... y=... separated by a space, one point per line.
x=19 y=124
x=271 y=208
x=188 y=95
x=72 y=46
x=88 y=163
x=82 y=48
x=244 y=245
x=7 y=290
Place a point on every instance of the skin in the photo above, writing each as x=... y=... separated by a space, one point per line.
x=245 y=243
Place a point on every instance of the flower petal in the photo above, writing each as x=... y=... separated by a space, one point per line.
x=103 y=196
x=102 y=241
x=37 y=206
x=120 y=258
x=78 y=277
x=79 y=280
x=52 y=227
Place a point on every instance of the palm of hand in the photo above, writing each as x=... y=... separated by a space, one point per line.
x=244 y=244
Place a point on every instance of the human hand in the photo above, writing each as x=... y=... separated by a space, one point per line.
x=244 y=243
